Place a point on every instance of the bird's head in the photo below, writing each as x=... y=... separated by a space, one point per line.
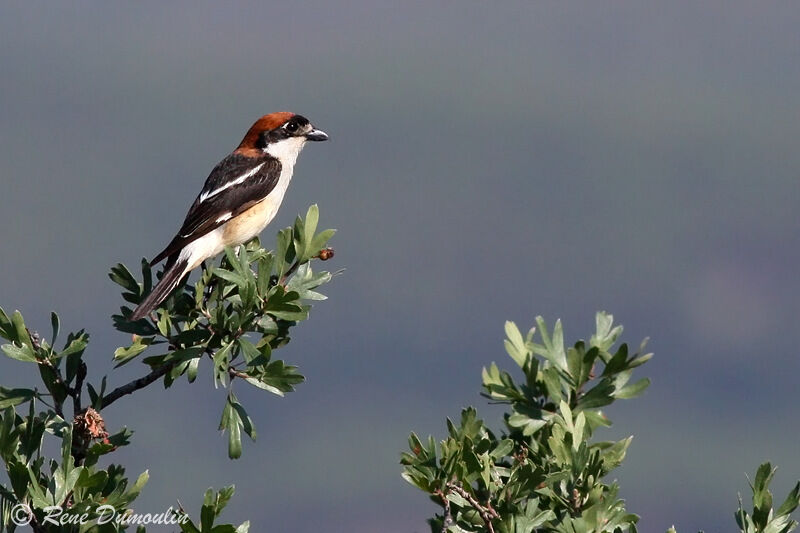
x=282 y=135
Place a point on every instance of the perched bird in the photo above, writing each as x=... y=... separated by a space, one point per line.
x=240 y=197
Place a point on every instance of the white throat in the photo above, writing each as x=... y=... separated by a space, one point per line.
x=286 y=151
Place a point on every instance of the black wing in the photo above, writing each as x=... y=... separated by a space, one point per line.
x=236 y=184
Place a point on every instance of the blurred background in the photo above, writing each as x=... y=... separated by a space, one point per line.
x=487 y=162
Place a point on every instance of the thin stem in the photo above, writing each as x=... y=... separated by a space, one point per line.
x=322 y=255
x=487 y=513
x=448 y=517
x=288 y=273
x=237 y=373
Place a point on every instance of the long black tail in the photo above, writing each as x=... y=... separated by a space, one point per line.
x=171 y=279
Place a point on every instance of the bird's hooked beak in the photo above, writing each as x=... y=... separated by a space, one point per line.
x=316 y=135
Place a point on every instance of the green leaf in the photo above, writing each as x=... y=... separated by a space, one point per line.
x=615 y=454
x=6 y=328
x=247 y=423
x=252 y=355
x=207 y=513
x=21 y=332
x=298 y=232
x=596 y=419
x=191 y=371
x=140 y=327
x=56 y=326
x=66 y=448
x=790 y=503
x=552 y=383
x=575 y=363
x=640 y=360
x=164 y=323
x=284 y=255
x=310 y=228
x=19 y=478
x=578 y=430
x=221 y=363
x=528 y=425
x=11 y=397
x=137 y=487
x=76 y=344
x=265 y=264
x=20 y=353
x=232 y=422
x=605 y=336
x=275 y=377
x=122 y=276
x=284 y=305
x=321 y=240
x=94 y=398
x=599 y=395
x=503 y=448
x=233 y=277
x=557 y=347
x=263 y=386
x=515 y=345
x=764 y=476
x=553 y=347
x=304 y=280
x=617 y=363
x=123 y=355
x=147 y=277
x=633 y=390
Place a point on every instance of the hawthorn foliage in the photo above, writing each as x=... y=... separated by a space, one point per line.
x=544 y=471
x=232 y=319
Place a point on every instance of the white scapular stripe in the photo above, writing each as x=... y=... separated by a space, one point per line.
x=252 y=172
x=224 y=217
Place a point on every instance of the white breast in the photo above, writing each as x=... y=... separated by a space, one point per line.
x=250 y=223
x=241 y=228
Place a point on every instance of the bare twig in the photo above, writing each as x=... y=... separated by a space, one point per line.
x=487 y=513
x=146 y=380
x=136 y=384
x=237 y=373
x=448 y=516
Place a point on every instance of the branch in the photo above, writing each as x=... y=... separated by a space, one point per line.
x=447 y=519
x=237 y=373
x=487 y=513
x=288 y=273
x=322 y=255
x=75 y=391
x=136 y=384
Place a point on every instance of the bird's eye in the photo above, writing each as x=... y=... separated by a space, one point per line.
x=291 y=126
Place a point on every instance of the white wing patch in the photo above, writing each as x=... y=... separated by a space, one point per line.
x=250 y=173
x=224 y=217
